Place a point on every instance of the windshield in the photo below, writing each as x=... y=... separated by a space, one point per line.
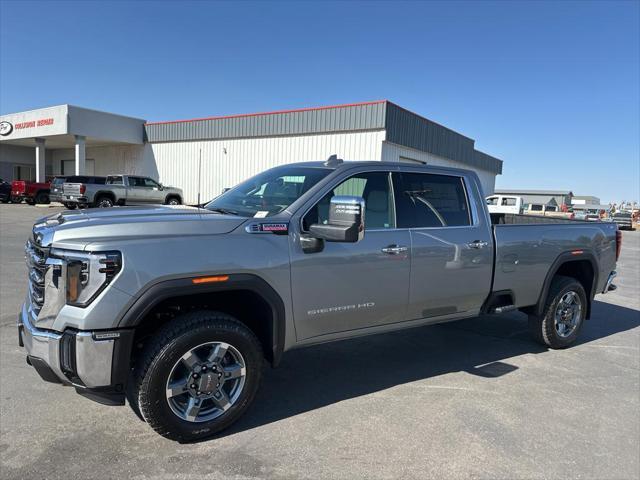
x=268 y=193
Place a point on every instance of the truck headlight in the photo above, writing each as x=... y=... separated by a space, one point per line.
x=88 y=274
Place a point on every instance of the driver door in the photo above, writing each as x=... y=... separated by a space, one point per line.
x=350 y=286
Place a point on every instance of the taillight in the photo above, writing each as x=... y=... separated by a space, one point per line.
x=618 y=243
x=83 y=188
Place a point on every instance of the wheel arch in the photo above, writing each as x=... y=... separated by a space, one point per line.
x=173 y=195
x=104 y=193
x=578 y=264
x=242 y=295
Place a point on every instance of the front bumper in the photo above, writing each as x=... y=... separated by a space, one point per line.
x=95 y=363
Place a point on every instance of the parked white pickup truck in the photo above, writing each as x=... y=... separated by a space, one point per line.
x=504 y=204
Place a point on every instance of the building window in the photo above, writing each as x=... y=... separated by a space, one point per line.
x=24 y=172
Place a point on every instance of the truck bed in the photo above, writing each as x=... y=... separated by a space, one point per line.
x=528 y=246
x=513 y=219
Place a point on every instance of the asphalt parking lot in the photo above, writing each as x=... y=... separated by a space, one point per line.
x=471 y=399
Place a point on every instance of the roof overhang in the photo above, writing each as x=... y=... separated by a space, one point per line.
x=59 y=126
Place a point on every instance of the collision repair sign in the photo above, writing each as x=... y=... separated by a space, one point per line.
x=35 y=123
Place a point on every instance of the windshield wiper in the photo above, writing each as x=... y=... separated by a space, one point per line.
x=225 y=211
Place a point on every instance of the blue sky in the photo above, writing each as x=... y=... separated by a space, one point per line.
x=552 y=88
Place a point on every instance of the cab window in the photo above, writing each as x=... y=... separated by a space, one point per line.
x=373 y=187
x=428 y=200
x=115 y=180
x=492 y=201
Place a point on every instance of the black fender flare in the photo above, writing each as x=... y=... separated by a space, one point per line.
x=163 y=290
x=563 y=259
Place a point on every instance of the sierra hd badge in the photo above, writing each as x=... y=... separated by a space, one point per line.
x=5 y=128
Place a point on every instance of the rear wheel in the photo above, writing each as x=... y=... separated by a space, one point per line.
x=173 y=201
x=42 y=197
x=104 y=202
x=70 y=206
x=197 y=376
x=563 y=314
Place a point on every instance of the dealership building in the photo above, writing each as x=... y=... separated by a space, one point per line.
x=207 y=155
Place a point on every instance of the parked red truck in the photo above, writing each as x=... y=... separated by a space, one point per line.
x=32 y=192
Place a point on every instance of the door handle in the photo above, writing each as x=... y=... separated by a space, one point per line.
x=394 y=249
x=477 y=244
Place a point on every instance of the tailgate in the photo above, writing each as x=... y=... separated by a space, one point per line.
x=18 y=187
x=72 y=189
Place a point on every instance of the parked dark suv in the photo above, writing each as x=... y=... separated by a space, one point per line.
x=5 y=191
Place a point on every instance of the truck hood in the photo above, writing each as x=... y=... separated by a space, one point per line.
x=80 y=228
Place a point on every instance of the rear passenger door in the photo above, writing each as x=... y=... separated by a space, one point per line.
x=451 y=244
x=136 y=192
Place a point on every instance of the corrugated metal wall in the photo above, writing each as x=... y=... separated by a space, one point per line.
x=398 y=153
x=411 y=130
x=403 y=128
x=226 y=163
x=369 y=116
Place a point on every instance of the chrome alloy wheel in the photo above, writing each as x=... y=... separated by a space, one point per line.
x=568 y=312
x=206 y=381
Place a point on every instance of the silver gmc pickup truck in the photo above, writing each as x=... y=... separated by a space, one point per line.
x=177 y=308
x=84 y=191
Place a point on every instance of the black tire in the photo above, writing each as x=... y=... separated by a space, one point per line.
x=104 y=202
x=543 y=328
x=70 y=206
x=16 y=200
x=173 y=201
x=154 y=366
x=42 y=198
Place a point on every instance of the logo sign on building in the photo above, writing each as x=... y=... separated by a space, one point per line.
x=35 y=123
x=5 y=128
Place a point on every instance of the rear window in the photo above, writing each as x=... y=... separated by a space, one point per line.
x=427 y=200
x=508 y=202
x=115 y=180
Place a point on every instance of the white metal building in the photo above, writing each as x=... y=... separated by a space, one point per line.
x=66 y=140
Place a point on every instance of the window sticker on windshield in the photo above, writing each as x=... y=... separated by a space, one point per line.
x=261 y=214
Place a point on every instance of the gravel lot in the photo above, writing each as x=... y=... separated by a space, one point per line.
x=471 y=399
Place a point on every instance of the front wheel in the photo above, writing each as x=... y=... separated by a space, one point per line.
x=563 y=315
x=197 y=375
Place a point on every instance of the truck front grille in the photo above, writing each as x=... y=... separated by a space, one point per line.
x=36 y=258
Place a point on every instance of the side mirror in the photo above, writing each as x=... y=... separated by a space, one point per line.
x=346 y=221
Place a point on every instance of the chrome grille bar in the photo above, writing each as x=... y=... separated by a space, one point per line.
x=36 y=258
